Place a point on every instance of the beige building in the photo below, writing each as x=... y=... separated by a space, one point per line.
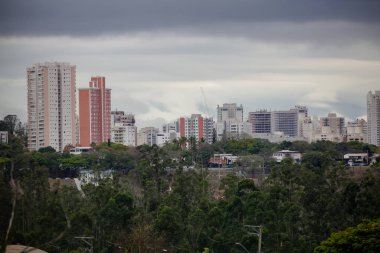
x=373 y=118
x=51 y=105
x=123 y=129
x=357 y=130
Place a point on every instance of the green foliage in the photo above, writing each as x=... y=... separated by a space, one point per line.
x=161 y=198
x=47 y=149
x=365 y=237
x=73 y=162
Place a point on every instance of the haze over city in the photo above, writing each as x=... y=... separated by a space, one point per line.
x=156 y=55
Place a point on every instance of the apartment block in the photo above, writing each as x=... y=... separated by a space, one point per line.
x=373 y=118
x=230 y=112
x=123 y=129
x=51 y=105
x=196 y=126
x=357 y=130
x=94 y=112
x=148 y=136
x=230 y=122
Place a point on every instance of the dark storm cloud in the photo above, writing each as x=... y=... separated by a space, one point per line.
x=93 y=17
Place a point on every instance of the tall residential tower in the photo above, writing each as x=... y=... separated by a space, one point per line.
x=94 y=112
x=51 y=105
x=373 y=116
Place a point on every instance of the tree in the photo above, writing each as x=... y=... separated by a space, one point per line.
x=47 y=149
x=364 y=238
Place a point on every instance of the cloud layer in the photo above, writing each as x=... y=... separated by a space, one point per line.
x=156 y=55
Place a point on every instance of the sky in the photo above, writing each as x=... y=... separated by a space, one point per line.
x=169 y=58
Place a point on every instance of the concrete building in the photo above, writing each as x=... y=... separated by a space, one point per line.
x=3 y=136
x=285 y=122
x=116 y=117
x=148 y=136
x=280 y=125
x=233 y=130
x=330 y=128
x=196 y=126
x=307 y=129
x=332 y=124
x=230 y=112
x=95 y=112
x=280 y=155
x=51 y=105
x=123 y=130
x=261 y=122
x=373 y=118
x=171 y=127
x=357 y=131
x=230 y=122
x=164 y=138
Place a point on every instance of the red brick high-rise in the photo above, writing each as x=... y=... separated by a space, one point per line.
x=94 y=112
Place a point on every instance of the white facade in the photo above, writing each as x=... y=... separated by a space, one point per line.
x=148 y=136
x=280 y=155
x=170 y=127
x=233 y=130
x=3 y=136
x=164 y=138
x=51 y=105
x=123 y=129
x=126 y=135
x=230 y=122
x=230 y=112
x=373 y=118
x=93 y=177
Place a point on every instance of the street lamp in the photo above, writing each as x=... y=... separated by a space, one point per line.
x=258 y=231
x=241 y=245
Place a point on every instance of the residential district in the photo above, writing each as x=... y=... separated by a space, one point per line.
x=53 y=121
x=275 y=181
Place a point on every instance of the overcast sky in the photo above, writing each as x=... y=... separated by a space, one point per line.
x=157 y=54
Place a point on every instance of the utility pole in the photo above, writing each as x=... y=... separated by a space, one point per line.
x=86 y=239
x=258 y=231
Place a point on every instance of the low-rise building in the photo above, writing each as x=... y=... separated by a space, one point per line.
x=280 y=155
x=3 y=136
x=356 y=159
x=222 y=161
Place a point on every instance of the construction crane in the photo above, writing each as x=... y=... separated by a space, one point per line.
x=205 y=102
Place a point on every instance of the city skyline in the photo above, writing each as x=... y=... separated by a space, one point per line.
x=263 y=55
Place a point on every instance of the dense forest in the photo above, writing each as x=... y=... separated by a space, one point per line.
x=160 y=199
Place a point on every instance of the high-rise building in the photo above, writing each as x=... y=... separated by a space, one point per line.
x=230 y=122
x=123 y=130
x=230 y=112
x=94 y=112
x=261 y=121
x=333 y=123
x=196 y=126
x=51 y=105
x=148 y=136
x=285 y=122
x=357 y=130
x=373 y=118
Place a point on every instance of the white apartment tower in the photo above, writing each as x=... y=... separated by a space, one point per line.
x=123 y=129
x=230 y=112
x=373 y=118
x=230 y=122
x=51 y=105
